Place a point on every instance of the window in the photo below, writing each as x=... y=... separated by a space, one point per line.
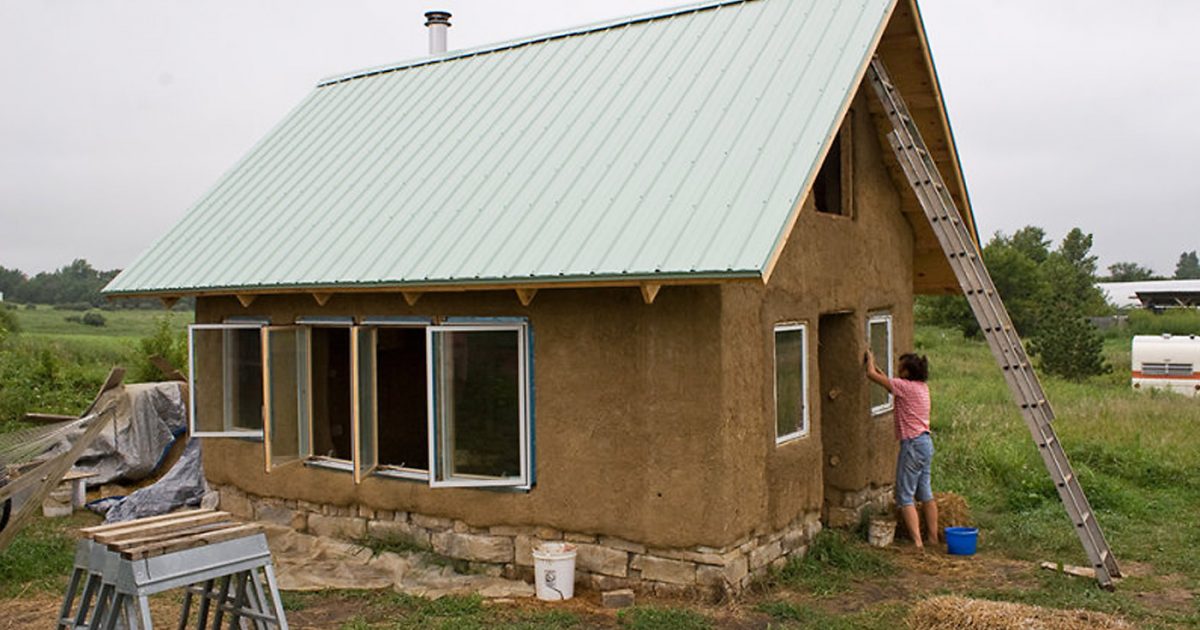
x=478 y=423
x=226 y=364
x=401 y=405
x=448 y=404
x=831 y=190
x=791 y=382
x=879 y=339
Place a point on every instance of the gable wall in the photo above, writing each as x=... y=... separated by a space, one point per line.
x=829 y=264
x=625 y=408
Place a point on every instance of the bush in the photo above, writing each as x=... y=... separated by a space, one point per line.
x=165 y=342
x=93 y=318
x=1067 y=345
x=8 y=324
x=1176 y=321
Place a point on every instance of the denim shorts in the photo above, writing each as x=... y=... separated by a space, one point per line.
x=912 y=470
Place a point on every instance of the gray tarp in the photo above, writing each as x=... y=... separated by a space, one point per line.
x=183 y=485
x=148 y=418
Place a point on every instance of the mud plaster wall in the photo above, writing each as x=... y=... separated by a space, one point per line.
x=628 y=430
x=830 y=263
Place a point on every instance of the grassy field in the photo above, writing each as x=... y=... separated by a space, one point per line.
x=55 y=365
x=1137 y=455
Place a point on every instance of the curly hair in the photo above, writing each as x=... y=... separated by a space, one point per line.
x=914 y=367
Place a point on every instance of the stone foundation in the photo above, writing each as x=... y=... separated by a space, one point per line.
x=846 y=509
x=603 y=563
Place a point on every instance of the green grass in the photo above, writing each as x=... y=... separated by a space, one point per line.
x=41 y=556
x=803 y=617
x=651 y=618
x=1136 y=455
x=56 y=366
x=832 y=563
x=46 y=321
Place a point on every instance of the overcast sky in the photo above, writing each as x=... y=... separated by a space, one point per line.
x=115 y=116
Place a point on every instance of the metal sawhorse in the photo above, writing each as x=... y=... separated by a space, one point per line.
x=223 y=563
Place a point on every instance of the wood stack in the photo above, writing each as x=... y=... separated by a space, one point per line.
x=158 y=535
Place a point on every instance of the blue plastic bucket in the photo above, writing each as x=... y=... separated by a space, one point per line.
x=960 y=541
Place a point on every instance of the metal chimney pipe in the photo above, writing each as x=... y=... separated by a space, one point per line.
x=438 y=22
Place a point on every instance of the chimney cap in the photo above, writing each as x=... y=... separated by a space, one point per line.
x=437 y=17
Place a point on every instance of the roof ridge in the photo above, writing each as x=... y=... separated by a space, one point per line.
x=581 y=29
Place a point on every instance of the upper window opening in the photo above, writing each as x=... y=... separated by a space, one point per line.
x=401 y=397
x=330 y=392
x=831 y=189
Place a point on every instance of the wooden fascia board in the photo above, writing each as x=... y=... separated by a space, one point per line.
x=955 y=163
x=794 y=215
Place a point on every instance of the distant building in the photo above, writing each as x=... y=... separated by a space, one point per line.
x=1156 y=294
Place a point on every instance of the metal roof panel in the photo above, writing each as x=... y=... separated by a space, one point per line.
x=674 y=144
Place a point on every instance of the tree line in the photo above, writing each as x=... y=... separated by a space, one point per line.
x=1050 y=292
x=76 y=285
x=1188 y=268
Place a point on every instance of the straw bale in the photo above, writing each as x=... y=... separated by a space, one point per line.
x=952 y=512
x=954 y=613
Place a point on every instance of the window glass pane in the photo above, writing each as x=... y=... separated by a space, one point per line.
x=479 y=404
x=283 y=390
x=403 y=428
x=879 y=333
x=789 y=382
x=330 y=392
x=226 y=380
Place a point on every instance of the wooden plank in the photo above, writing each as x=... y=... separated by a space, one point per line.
x=189 y=542
x=51 y=474
x=147 y=529
x=322 y=297
x=112 y=381
x=649 y=292
x=141 y=541
x=47 y=418
x=96 y=529
x=411 y=297
x=246 y=299
x=169 y=371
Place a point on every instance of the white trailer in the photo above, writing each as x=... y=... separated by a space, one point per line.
x=1169 y=362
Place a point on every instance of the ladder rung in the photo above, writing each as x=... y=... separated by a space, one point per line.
x=1083 y=519
x=1067 y=479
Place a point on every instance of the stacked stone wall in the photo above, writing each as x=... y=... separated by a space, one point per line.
x=603 y=563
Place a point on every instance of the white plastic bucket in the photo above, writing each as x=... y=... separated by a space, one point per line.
x=554 y=571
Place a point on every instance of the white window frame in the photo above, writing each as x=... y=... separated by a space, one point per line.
x=889 y=362
x=228 y=429
x=432 y=357
x=803 y=431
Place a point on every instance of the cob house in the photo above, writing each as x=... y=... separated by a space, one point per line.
x=611 y=285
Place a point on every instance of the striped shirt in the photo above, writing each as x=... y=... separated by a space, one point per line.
x=912 y=408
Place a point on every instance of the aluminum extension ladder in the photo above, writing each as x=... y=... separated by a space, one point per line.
x=973 y=277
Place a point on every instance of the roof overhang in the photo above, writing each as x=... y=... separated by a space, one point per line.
x=904 y=48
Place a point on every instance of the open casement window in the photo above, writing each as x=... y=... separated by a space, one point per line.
x=285 y=372
x=399 y=396
x=791 y=382
x=478 y=409
x=879 y=339
x=225 y=379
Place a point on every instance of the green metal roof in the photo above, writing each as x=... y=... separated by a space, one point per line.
x=670 y=145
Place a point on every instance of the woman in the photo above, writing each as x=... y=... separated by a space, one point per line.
x=911 y=415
